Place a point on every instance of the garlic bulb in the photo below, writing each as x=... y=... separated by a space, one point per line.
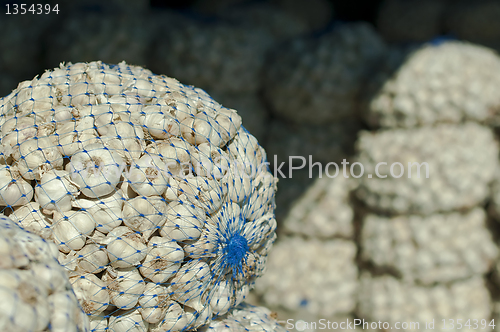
x=91 y=293
x=130 y=321
x=175 y=319
x=154 y=303
x=125 y=247
x=163 y=259
x=145 y=214
x=96 y=170
x=14 y=190
x=31 y=219
x=125 y=138
x=98 y=323
x=148 y=176
x=211 y=161
x=125 y=286
x=106 y=211
x=72 y=136
x=92 y=258
x=184 y=222
x=67 y=236
x=37 y=156
x=56 y=191
x=160 y=122
x=176 y=154
x=205 y=193
x=187 y=284
x=82 y=221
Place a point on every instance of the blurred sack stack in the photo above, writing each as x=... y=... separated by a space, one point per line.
x=412 y=88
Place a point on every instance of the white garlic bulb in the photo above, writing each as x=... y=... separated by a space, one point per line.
x=125 y=287
x=37 y=156
x=92 y=258
x=33 y=220
x=148 y=176
x=67 y=236
x=154 y=302
x=163 y=259
x=145 y=214
x=130 y=321
x=91 y=293
x=96 y=170
x=175 y=319
x=82 y=221
x=184 y=222
x=72 y=136
x=56 y=191
x=176 y=154
x=106 y=210
x=14 y=190
x=125 y=247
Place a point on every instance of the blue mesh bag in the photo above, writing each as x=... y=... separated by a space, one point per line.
x=160 y=203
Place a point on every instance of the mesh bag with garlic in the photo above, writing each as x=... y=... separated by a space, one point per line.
x=159 y=201
x=35 y=292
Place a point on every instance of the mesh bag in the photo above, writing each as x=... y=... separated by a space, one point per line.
x=160 y=202
x=35 y=291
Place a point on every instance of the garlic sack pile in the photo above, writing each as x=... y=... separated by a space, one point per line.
x=35 y=292
x=449 y=82
x=312 y=271
x=246 y=318
x=410 y=20
x=159 y=201
x=316 y=80
x=387 y=299
x=455 y=170
x=475 y=21
x=438 y=248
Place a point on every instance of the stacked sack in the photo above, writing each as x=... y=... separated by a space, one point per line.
x=35 y=291
x=311 y=85
x=424 y=242
x=154 y=194
x=21 y=53
x=224 y=58
x=312 y=273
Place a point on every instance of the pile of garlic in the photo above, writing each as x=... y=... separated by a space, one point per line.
x=159 y=201
x=35 y=291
